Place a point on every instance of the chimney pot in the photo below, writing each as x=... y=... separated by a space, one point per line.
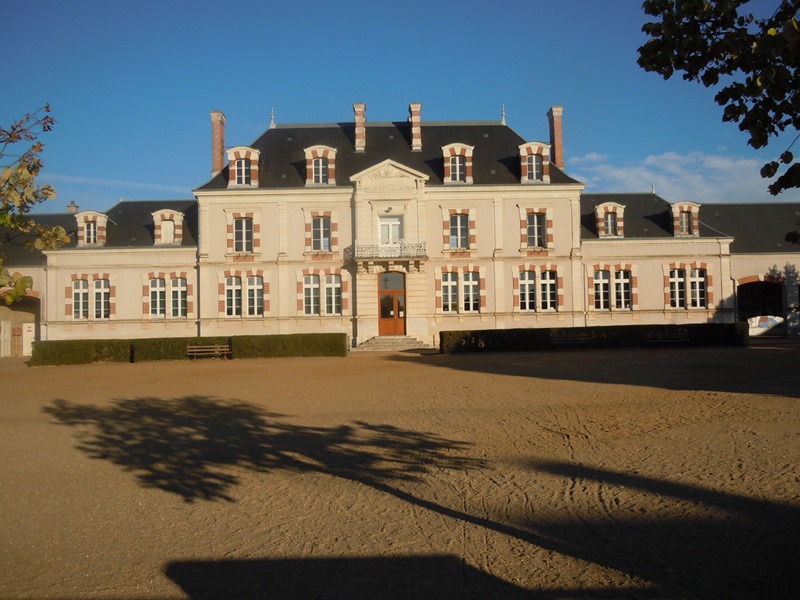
x=217 y=142
x=72 y=208
x=414 y=110
x=360 y=109
x=556 y=136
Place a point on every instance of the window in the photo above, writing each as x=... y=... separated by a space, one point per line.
x=622 y=290
x=602 y=290
x=158 y=298
x=458 y=168
x=610 y=222
x=233 y=296
x=537 y=230
x=333 y=294
x=311 y=295
x=391 y=230
x=459 y=231
x=535 y=167
x=450 y=292
x=102 y=299
x=697 y=288
x=243 y=235
x=677 y=288
x=255 y=295
x=548 y=287
x=80 y=299
x=179 y=296
x=91 y=233
x=527 y=290
x=685 y=226
x=167 y=232
x=472 y=292
x=321 y=234
x=243 y=171
x=320 y=170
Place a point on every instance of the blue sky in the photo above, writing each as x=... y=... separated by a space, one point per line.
x=131 y=85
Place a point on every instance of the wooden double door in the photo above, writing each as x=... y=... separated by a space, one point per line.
x=391 y=304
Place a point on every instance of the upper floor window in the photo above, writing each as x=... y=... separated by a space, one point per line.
x=534 y=162
x=90 y=235
x=459 y=231
x=685 y=218
x=391 y=230
x=243 y=174
x=320 y=165
x=321 y=234
x=610 y=222
x=243 y=235
x=243 y=166
x=685 y=223
x=321 y=170
x=457 y=163
x=536 y=230
x=458 y=168
x=535 y=167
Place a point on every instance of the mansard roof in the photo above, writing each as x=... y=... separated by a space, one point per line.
x=130 y=225
x=496 y=157
x=646 y=215
x=756 y=228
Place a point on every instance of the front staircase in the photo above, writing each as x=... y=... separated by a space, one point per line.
x=393 y=343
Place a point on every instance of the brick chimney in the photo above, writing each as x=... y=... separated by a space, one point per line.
x=556 y=136
x=217 y=142
x=72 y=208
x=414 y=110
x=360 y=109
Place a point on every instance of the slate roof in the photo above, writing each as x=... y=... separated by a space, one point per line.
x=645 y=216
x=130 y=225
x=495 y=158
x=755 y=228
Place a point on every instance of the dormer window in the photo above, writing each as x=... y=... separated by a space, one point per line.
x=457 y=163
x=91 y=228
x=609 y=220
x=167 y=227
x=686 y=219
x=320 y=165
x=90 y=235
x=321 y=170
x=243 y=167
x=458 y=168
x=243 y=176
x=534 y=162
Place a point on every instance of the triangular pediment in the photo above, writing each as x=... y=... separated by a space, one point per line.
x=389 y=175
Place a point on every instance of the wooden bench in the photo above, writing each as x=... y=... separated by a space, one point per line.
x=668 y=336
x=572 y=338
x=209 y=350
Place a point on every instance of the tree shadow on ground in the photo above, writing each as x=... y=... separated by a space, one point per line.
x=766 y=368
x=194 y=446
x=189 y=446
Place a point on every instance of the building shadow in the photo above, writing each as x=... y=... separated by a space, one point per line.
x=735 y=547
x=764 y=368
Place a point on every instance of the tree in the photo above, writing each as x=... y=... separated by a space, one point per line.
x=19 y=193
x=751 y=62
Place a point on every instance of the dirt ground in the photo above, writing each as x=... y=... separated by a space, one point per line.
x=663 y=473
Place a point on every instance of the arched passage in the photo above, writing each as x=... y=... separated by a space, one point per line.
x=760 y=298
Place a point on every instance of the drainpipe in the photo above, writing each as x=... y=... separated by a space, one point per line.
x=197 y=294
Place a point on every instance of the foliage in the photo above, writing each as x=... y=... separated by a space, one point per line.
x=300 y=344
x=752 y=62
x=77 y=352
x=20 y=192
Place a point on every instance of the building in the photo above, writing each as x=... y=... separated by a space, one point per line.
x=403 y=229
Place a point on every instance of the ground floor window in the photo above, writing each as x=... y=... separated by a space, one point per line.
x=80 y=299
x=460 y=292
x=317 y=288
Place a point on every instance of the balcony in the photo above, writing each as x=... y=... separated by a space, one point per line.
x=401 y=250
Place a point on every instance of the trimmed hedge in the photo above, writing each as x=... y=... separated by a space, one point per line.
x=624 y=336
x=73 y=352
x=76 y=352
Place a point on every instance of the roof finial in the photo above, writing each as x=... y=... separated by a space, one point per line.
x=653 y=188
x=503 y=115
x=272 y=118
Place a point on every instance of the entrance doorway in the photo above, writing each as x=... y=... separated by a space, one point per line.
x=391 y=304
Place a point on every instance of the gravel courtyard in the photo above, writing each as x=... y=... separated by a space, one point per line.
x=649 y=473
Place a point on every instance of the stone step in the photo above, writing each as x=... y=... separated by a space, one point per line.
x=392 y=343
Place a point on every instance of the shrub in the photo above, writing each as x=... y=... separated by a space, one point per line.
x=75 y=352
x=300 y=344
